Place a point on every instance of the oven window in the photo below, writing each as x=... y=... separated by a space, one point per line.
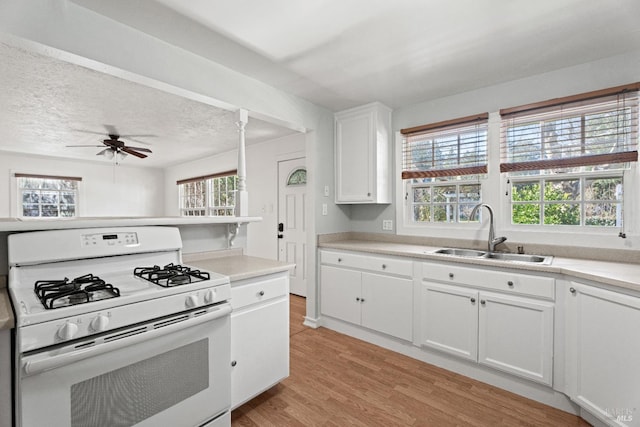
x=131 y=394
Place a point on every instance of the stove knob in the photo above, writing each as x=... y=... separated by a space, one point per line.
x=192 y=301
x=67 y=331
x=209 y=296
x=99 y=323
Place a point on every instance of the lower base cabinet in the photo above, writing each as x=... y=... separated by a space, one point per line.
x=509 y=333
x=603 y=345
x=259 y=336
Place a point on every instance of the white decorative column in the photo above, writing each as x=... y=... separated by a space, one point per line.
x=242 y=196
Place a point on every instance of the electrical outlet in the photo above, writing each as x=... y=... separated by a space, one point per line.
x=326 y=191
x=387 y=224
x=324 y=209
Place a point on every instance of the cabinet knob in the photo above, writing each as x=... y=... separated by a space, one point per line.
x=384 y=266
x=510 y=284
x=357 y=298
x=572 y=290
x=361 y=299
x=234 y=363
x=261 y=293
x=339 y=259
x=450 y=275
x=368 y=194
x=483 y=302
x=473 y=300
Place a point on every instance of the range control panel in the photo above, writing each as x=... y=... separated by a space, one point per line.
x=110 y=239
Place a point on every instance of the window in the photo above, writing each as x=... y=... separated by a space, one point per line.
x=566 y=159
x=44 y=196
x=297 y=177
x=210 y=195
x=441 y=165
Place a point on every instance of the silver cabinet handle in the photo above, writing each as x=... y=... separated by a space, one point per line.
x=572 y=290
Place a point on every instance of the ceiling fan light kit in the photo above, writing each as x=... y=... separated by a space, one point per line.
x=118 y=149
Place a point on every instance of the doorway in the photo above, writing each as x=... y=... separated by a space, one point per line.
x=292 y=221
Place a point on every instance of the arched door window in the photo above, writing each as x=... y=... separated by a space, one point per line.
x=297 y=177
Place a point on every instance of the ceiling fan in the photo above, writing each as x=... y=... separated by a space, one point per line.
x=115 y=146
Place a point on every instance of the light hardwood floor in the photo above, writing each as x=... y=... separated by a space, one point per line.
x=337 y=380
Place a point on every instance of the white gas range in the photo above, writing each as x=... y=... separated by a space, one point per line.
x=112 y=330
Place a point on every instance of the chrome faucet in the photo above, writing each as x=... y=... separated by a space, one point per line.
x=493 y=240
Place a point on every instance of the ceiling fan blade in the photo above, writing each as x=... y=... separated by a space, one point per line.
x=113 y=143
x=139 y=136
x=146 y=150
x=87 y=131
x=128 y=138
x=83 y=146
x=133 y=152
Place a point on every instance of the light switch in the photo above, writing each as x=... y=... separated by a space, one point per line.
x=324 y=209
x=326 y=191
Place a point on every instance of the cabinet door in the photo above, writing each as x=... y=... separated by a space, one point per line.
x=355 y=142
x=340 y=293
x=516 y=336
x=387 y=305
x=449 y=319
x=602 y=353
x=259 y=349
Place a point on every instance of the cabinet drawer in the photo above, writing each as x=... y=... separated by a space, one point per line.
x=390 y=266
x=522 y=284
x=344 y=259
x=376 y=264
x=263 y=290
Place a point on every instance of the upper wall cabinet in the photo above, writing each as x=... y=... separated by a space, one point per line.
x=362 y=158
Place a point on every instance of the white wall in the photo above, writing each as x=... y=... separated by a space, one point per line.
x=262 y=183
x=106 y=190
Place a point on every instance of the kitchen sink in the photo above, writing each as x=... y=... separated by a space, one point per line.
x=461 y=252
x=536 y=259
x=500 y=256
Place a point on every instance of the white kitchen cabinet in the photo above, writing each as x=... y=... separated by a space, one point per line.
x=259 y=336
x=449 y=319
x=515 y=335
x=505 y=331
x=362 y=158
x=602 y=351
x=356 y=289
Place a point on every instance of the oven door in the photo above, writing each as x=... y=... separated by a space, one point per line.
x=173 y=371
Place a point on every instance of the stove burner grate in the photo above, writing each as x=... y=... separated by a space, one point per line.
x=171 y=275
x=65 y=293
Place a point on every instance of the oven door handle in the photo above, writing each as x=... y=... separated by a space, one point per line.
x=34 y=367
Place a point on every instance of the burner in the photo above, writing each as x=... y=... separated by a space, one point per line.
x=170 y=275
x=64 y=293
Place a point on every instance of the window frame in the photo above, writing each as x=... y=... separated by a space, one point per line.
x=17 y=195
x=209 y=182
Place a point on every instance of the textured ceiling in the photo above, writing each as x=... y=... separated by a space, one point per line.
x=342 y=53
x=47 y=104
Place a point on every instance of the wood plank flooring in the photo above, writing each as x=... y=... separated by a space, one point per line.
x=337 y=380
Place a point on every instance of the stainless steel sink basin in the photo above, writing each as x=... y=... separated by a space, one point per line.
x=471 y=253
x=461 y=252
x=536 y=259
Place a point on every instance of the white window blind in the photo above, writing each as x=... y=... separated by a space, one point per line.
x=593 y=129
x=451 y=148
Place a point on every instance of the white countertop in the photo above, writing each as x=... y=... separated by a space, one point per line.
x=622 y=275
x=18 y=224
x=240 y=267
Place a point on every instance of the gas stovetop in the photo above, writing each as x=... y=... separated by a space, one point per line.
x=79 y=275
